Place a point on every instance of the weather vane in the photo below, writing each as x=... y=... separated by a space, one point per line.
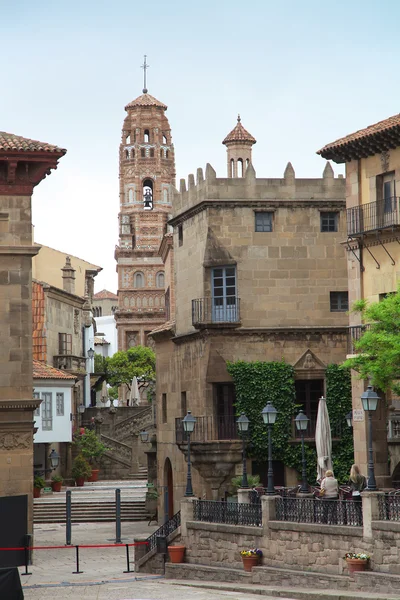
x=145 y=66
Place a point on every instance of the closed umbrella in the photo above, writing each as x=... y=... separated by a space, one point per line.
x=134 y=396
x=104 y=394
x=323 y=439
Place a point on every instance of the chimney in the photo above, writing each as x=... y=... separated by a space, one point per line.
x=68 y=275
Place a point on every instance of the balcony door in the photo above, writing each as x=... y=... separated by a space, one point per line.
x=224 y=302
x=308 y=393
x=225 y=411
x=389 y=200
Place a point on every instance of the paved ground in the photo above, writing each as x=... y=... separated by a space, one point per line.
x=102 y=577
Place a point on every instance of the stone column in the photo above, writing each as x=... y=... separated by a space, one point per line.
x=268 y=511
x=134 y=453
x=370 y=510
x=186 y=514
x=244 y=496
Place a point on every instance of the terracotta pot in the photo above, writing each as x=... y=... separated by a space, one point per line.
x=80 y=481
x=356 y=564
x=95 y=475
x=249 y=562
x=56 y=486
x=176 y=553
x=36 y=492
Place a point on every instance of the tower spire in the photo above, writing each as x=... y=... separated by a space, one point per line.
x=145 y=66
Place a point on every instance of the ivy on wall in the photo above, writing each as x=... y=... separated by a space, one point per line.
x=256 y=383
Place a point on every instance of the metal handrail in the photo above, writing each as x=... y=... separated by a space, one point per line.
x=374 y=216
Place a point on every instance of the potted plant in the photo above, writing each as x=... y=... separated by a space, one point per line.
x=81 y=470
x=38 y=484
x=251 y=558
x=176 y=553
x=92 y=449
x=151 y=499
x=356 y=561
x=56 y=483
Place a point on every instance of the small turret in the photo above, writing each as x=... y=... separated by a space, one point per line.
x=239 y=143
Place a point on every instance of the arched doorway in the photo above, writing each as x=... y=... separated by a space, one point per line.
x=168 y=489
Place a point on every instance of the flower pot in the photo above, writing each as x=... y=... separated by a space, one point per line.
x=249 y=562
x=80 y=481
x=36 y=492
x=56 y=486
x=95 y=475
x=176 y=553
x=356 y=564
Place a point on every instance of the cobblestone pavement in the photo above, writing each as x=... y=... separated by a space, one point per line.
x=102 y=577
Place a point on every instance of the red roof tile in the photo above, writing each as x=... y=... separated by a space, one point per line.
x=146 y=100
x=10 y=142
x=105 y=295
x=239 y=134
x=43 y=371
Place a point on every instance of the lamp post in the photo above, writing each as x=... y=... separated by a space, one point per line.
x=269 y=414
x=188 y=425
x=243 y=426
x=349 y=419
x=301 y=423
x=54 y=458
x=369 y=401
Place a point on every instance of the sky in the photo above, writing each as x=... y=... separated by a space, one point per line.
x=301 y=74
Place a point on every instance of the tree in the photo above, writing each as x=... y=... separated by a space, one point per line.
x=123 y=366
x=378 y=349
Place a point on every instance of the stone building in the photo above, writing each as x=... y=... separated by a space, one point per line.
x=105 y=303
x=147 y=179
x=23 y=165
x=372 y=158
x=257 y=273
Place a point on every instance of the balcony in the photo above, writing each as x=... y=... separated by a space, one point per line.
x=208 y=429
x=354 y=334
x=374 y=216
x=224 y=311
x=71 y=363
x=336 y=429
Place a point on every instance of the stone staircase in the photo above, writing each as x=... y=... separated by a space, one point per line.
x=94 y=502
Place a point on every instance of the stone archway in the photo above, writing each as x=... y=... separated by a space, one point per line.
x=168 y=489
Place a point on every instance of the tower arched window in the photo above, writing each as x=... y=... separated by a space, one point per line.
x=151 y=152
x=128 y=139
x=232 y=168
x=240 y=167
x=148 y=194
x=164 y=139
x=126 y=154
x=138 y=280
x=166 y=154
x=143 y=153
x=130 y=195
x=146 y=136
x=133 y=153
x=160 y=280
x=161 y=153
x=247 y=163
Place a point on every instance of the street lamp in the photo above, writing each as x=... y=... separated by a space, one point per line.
x=90 y=353
x=144 y=436
x=349 y=419
x=243 y=426
x=188 y=425
x=369 y=401
x=54 y=458
x=269 y=414
x=301 y=423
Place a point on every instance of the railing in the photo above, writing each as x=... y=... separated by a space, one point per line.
x=69 y=362
x=389 y=506
x=354 y=335
x=121 y=450
x=169 y=527
x=214 y=311
x=394 y=427
x=230 y=513
x=319 y=511
x=373 y=216
x=208 y=429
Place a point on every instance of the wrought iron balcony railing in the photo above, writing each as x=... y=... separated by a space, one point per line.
x=230 y=513
x=208 y=429
x=354 y=335
x=373 y=216
x=215 y=311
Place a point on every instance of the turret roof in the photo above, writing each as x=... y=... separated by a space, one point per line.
x=105 y=294
x=239 y=134
x=146 y=100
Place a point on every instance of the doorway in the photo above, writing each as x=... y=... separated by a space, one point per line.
x=168 y=489
x=308 y=393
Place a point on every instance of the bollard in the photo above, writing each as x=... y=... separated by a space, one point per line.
x=77 y=561
x=68 y=524
x=118 y=516
x=27 y=545
x=128 y=570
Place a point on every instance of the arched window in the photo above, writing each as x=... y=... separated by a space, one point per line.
x=126 y=154
x=148 y=194
x=146 y=136
x=232 y=168
x=138 y=280
x=240 y=167
x=161 y=153
x=130 y=195
x=164 y=139
x=128 y=139
x=142 y=152
x=132 y=153
x=166 y=154
x=160 y=280
x=151 y=152
x=247 y=163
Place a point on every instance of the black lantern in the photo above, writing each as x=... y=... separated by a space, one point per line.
x=54 y=459
x=243 y=426
x=90 y=353
x=148 y=200
x=349 y=418
x=302 y=423
x=188 y=425
x=144 y=436
x=269 y=414
x=369 y=401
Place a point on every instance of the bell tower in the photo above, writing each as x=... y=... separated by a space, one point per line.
x=239 y=143
x=147 y=176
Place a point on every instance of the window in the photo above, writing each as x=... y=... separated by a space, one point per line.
x=240 y=167
x=329 y=221
x=132 y=153
x=167 y=305
x=126 y=154
x=183 y=404
x=389 y=193
x=128 y=139
x=164 y=139
x=146 y=136
x=263 y=221
x=142 y=152
x=47 y=411
x=167 y=154
x=138 y=280
x=60 y=404
x=164 y=407
x=232 y=168
x=180 y=234
x=386 y=295
x=160 y=282
x=339 y=301
x=37 y=411
x=151 y=152
x=65 y=343
x=224 y=301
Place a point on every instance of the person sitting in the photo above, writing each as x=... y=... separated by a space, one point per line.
x=330 y=493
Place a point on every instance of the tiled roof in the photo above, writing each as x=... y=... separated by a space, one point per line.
x=365 y=142
x=105 y=295
x=146 y=100
x=100 y=341
x=10 y=142
x=43 y=371
x=239 y=134
x=39 y=322
x=167 y=326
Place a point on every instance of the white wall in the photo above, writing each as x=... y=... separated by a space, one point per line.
x=107 y=326
x=61 y=425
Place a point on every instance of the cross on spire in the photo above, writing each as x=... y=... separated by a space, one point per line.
x=145 y=66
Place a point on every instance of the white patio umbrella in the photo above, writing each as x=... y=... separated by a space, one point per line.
x=323 y=439
x=104 y=393
x=134 y=396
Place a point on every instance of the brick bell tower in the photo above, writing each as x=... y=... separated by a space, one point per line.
x=147 y=175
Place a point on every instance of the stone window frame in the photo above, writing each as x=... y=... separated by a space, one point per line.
x=331 y=218
x=65 y=344
x=262 y=221
x=36 y=395
x=339 y=301
x=60 y=404
x=47 y=411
